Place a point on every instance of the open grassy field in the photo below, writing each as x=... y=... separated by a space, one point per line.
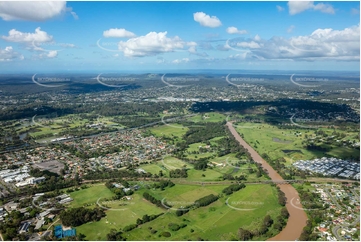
x=153 y=168
x=175 y=129
x=214 y=140
x=208 y=117
x=222 y=165
x=52 y=124
x=216 y=221
x=89 y=195
x=201 y=155
x=343 y=151
x=172 y=163
x=195 y=146
x=119 y=216
x=272 y=140
x=207 y=175
x=186 y=193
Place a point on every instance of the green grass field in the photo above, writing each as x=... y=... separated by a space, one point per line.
x=55 y=125
x=209 y=175
x=89 y=195
x=176 y=130
x=213 y=141
x=119 y=217
x=186 y=193
x=172 y=163
x=195 y=146
x=153 y=168
x=208 y=117
x=216 y=221
x=271 y=140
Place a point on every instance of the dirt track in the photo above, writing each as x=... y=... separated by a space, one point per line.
x=298 y=217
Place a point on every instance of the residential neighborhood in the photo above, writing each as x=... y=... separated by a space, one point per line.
x=342 y=203
x=331 y=167
x=111 y=151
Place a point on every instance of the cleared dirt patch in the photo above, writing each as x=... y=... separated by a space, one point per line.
x=52 y=166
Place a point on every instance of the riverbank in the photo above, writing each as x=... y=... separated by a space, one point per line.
x=298 y=217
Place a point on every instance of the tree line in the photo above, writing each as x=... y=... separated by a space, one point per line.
x=178 y=173
x=202 y=202
x=155 y=201
x=233 y=188
x=266 y=226
x=78 y=216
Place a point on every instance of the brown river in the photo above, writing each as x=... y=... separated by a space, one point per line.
x=298 y=217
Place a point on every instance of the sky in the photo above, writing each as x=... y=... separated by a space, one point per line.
x=134 y=36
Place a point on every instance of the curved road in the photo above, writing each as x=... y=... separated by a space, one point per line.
x=298 y=217
x=338 y=227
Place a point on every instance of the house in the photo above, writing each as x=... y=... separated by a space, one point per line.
x=38 y=180
x=24 y=227
x=126 y=189
x=136 y=187
x=63 y=196
x=39 y=223
x=43 y=214
x=11 y=206
x=23 y=210
x=118 y=185
x=30 y=181
x=66 y=200
x=140 y=170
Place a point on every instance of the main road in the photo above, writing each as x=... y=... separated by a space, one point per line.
x=298 y=217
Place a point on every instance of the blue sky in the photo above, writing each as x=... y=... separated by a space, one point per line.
x=126 y=36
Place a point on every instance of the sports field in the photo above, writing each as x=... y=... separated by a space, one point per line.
x=89 y=195
x=216 y=221
x=277 y=142
x=172 y=163
x=208 y=117
x=170 y=130
x=118 y=216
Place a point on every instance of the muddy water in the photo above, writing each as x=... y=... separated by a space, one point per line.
x=298 y=217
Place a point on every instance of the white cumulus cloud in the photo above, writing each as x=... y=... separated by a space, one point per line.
x=38 y=41
x=21 y=37
x=296 y=7
x=8 y=54
x=234 y=30
x=31 y=10
x=251 y=45
x=75 y=16
x=206 y=20
x=179 y=61
x=48 y=55
x=52 y=54
x=151 y=44
x=321 y=44
x=279 y=8
x=118 y=33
